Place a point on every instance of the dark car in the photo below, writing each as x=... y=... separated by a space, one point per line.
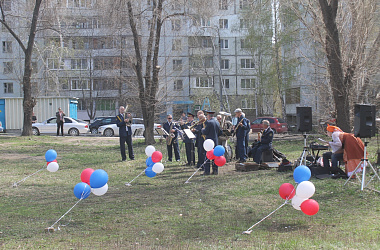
x=101 y=121
x=278 y=125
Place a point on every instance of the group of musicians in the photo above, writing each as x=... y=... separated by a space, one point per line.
x=211 y=128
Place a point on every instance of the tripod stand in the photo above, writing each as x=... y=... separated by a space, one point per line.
x=305 y=150
x=364 y=162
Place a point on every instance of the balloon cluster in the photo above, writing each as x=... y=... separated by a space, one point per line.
x=300 y=196
x=93 y=181
x=216 y=154
x=154 y=166
x=51 y=160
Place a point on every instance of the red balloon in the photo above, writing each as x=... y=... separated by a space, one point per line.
x=85 y=175
x=210 y=154
x=287 y=191
x=310 y=207
x=156 y=156
x=47 y=163
x=220 y=161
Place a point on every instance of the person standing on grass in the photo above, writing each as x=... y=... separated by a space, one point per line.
x=60 y=120
x=123 y=121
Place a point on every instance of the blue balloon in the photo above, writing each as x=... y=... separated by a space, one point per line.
x=98 y=178
x=82 y=190
x=149 y=172
x=219 y=150
x=50 y=155
x=149 y=162
x=301 y=173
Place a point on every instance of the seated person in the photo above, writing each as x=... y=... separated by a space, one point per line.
x=264 y=143
x=353 y=152
x=336 y=153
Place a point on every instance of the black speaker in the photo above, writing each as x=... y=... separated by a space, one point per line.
x=304 y=119
x=364 y=120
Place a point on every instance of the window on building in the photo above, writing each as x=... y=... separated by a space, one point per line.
x=8 y=67
x=7 y=47
x=247 y=64
x=79 y=84
x=79 y=3
x=105 y=104
x=248 y=83
x=226 y=83
x=200 y=42
x=208 y=62
x=224 y=43
x=206 y=42
x=64 y=83
x=205 y=22
x=106 y=84
x=244 y=44
x=247 y=103
x=7 y=5
x=54 y=64
x=176 y=24
x=244 y=4
x=203 y=82
x=176 y=44
x=8 y=88
x=244 y=23
x=79 y=64
x=178 y=85
x=223 y=23
x=177 y=64
x=293 y=95
x=223 y=4
x=225 y=64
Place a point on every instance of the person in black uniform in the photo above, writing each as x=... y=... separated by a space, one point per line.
x=199 y=138
x=265 y=142
x=172 y=138
x=212 y=131
x=189 y=143
x=241 y=132
x=124 y=121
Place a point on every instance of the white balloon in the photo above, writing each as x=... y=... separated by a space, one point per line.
x=305 y=189
x=158 y=167
x=208 y=144
x=149 y=150
x=52 y=167
x=100 y=191
x=297 y=201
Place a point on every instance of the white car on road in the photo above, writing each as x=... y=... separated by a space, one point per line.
x=137 y=128
x=71 y=126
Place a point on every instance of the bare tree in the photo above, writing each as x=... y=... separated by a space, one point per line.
x=28 y=102
x=348 y=33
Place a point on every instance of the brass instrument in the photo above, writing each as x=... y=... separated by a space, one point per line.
x=237 y=126
x=225 y=125
x=171 y=135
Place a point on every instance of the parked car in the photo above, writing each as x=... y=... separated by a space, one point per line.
x=71 y=126
x=137 y=128
x=101 y=121
x=278 y=125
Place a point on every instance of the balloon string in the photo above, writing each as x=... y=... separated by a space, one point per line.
x=135 y=177
x=249 y=229
x=16 y=183
x=196 y=171
x=67 y=211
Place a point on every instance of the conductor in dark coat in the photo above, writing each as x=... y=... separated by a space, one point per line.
x=189 y=143
x=265 y=142
x=199 y=138
x=124 y=121
x=241 y=131
x=212 y=131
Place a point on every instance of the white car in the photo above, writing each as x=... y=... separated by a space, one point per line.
x=71 y=126
x=137 y=128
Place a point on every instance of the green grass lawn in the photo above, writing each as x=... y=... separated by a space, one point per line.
x=164 y=213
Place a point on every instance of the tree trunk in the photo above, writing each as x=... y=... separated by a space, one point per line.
x=341 y=91
x=29 y=101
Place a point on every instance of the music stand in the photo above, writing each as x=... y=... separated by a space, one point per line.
x=364 y=161
x=305 y=149
x=162 y=132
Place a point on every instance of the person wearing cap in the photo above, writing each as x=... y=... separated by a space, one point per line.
x=336 y=153
x=241 y=130
x=211 y=131
x=189 y=143
x=265 y=142
x=199 y=139
x=172 y=129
